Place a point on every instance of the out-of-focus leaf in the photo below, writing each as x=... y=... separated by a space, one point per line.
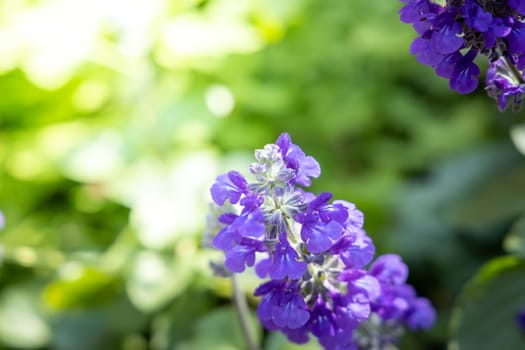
x=428 y=214
x=83 y=331
x=514 y=242
x=98 y=327
x=497 y=201
x=155 y=280
x=220 y=330
x=485 y=315
x=22 y=323
x=427 y=209
x=80 y=286
x=124 y=318
x=176 y=324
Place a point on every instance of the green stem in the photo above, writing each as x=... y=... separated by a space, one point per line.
x=242 y=310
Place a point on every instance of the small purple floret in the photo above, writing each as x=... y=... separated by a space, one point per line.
x=228 y=186
x=304 y=166
x=285 y=263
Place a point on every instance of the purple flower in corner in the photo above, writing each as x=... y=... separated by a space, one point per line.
x=481 y=28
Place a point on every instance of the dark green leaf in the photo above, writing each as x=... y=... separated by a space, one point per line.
x=485 y=315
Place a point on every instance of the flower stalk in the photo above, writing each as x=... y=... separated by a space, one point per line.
x=241 y=306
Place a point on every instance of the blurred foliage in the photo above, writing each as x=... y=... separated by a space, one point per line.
x=497 y=291
x=116 y=116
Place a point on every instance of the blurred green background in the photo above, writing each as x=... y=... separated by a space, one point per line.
x=116 y=116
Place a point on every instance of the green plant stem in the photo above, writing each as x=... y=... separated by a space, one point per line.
x=242 y=309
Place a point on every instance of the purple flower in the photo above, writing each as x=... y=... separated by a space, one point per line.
x=270 y=293
x=355 y=250
x=239 y=257
x=285 y=263
x=520 y=63
x=425 y=53
x=476 y=17
x=317 y=235
x=226 y=239
x=504 y=83
x=500 y=28
x=281 y=305
x=313 y=251
x=421 y=314
x=291 y=312
x=250 y=224
x=228 y=186
x=394 y=301
x=447 y=39
x=322 y=223
x=398 y=300
x=389 y=269
x=411 y=12
x=351 y=310
x=322 y=321
x=297 y=335
x=294 y=157
x=517 y=5
x=516 y=38
x=448 y=29
x=447 y=66
x=360 y=282
x=464 y=79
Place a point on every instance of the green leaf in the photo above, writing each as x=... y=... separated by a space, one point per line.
x=495 y=203
x=101 y=327
x=176 y=323
x=485 y=315
x=83 y=331
x=220 y=330
x=80 y=286
x=514 y=242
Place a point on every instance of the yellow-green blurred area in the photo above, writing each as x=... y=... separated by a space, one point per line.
x=117 y=115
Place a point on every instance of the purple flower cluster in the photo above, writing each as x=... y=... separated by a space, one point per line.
x=313 y=254
x=453 y=33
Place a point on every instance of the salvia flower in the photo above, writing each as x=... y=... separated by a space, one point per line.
x=312 y=253
x=453 y=33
